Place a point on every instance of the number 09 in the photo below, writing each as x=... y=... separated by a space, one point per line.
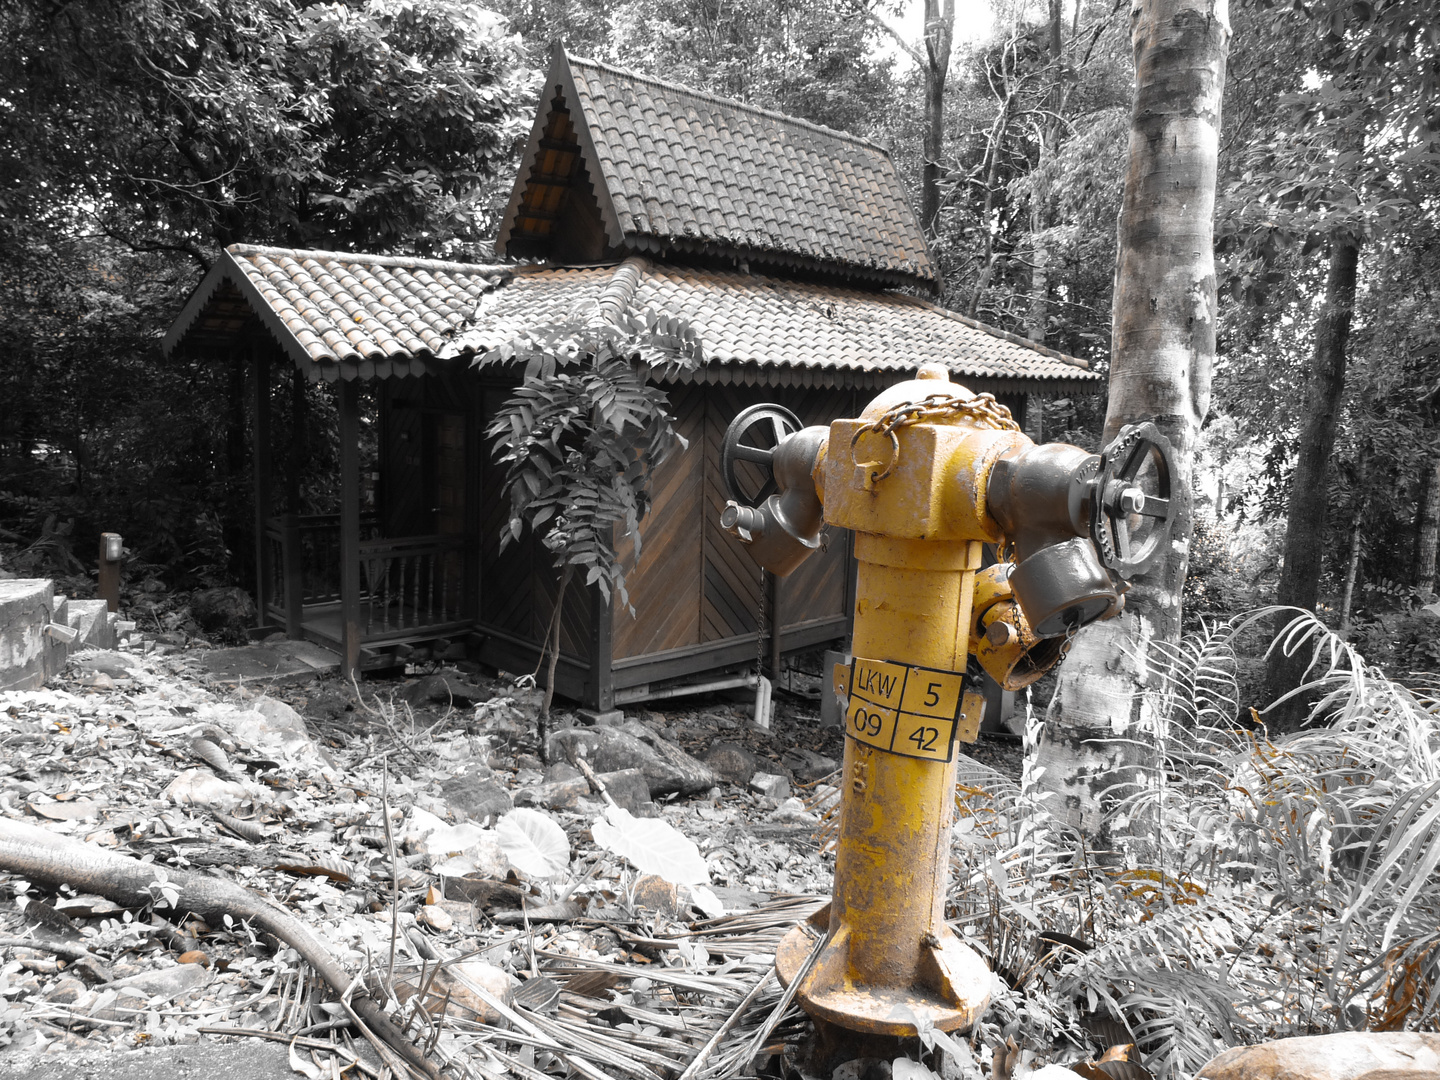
x=868 y=723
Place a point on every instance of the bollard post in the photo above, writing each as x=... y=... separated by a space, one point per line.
x=112 y=547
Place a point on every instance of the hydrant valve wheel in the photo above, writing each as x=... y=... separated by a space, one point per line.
x=1131 y=508
x=753 y=436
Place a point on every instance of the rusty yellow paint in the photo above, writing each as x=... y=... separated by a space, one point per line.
x=917 y=507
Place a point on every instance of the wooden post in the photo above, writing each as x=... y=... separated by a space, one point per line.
x=107 y=586
x=772 y=602
x=294 y=569
x=601 y=690
x=260 y=365
x=350 y=525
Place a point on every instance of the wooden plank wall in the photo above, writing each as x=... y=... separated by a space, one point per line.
x=665 y=585
x=695 y=583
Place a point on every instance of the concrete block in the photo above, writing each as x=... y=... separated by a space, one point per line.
x=92 y=618
x=26 y=606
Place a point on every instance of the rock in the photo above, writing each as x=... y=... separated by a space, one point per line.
x=806 y=765
x=667 y=768
x=731 y=762
x=201 y=787
x=863 y=1069
x=611 y=718
x=445 y=689
x=658 y=895
x=106 y=662
x=281 y=717
x=461 y=981
x=628 y=787
x=435 y=917
x=477 y=798
x=226 y=609
x=167 y=982
x=274 y=729
x=1346 y=1055
x=528 y=761
x=792 y=812
x=560 y=770
x=770 y=785
x=65 y=992
x=631 y=791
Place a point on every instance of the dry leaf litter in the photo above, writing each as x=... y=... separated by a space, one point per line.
x=588 y=939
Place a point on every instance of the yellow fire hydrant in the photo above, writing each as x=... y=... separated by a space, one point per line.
x=926 y=477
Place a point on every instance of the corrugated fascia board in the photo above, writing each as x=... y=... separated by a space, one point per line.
x=560 y=74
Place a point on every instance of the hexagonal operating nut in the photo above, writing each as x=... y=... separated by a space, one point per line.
x=1132 y=500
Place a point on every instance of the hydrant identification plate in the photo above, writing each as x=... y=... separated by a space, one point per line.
x=903 y=709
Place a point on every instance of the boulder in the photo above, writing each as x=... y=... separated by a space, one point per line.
x=667 y=768
x=731 y=762
x=1346 y=1055
x=226 y=609
x=806 y=765
x=476 y=798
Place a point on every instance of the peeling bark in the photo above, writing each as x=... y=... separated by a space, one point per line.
x=1098 y=730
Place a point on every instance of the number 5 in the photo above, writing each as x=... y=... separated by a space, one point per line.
x=932 y=697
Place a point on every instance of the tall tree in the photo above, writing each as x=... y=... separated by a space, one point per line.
x=1163 y=345
x=1366 y=134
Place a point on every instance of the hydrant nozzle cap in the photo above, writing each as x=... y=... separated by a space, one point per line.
x=938 y=372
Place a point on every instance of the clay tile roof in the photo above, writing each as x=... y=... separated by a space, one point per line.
x=341 y=315
x=697 y=172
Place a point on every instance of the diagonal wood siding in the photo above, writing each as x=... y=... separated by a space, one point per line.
x=665 y=585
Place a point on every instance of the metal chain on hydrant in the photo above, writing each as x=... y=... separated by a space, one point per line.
x=981 y=409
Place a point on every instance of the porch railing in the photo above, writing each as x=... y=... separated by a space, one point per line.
x=409 y=583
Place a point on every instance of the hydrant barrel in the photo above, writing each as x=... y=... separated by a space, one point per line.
x=925 y=477
x=889 y=959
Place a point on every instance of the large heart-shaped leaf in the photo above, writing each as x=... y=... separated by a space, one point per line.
x=651 y=845
x=533 y=843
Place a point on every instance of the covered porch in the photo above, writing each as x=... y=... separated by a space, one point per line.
x=366 y=469
x=395 y=562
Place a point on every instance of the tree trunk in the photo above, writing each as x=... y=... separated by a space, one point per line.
x=1304 y=552
x=41 y=855
x=939 y=32
x=1098 y=729
x=1427 y=529
x=1352 y=571
x=543 y=720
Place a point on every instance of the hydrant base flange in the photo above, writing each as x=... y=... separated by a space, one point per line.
x=958 y=994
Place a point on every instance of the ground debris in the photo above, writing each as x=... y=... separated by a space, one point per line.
x=500 y=941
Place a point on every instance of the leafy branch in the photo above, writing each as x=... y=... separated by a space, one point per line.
x=581 y=437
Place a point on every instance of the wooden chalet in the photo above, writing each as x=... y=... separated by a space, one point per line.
x=786 y=245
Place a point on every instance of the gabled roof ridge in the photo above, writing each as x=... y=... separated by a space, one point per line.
x=716 y=99
x=406 y=261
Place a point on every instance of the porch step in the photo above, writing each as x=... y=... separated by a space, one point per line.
x=277 y=663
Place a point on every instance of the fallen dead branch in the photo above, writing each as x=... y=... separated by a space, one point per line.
x=44 y=856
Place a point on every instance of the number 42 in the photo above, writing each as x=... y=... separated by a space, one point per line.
x=924 y=738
